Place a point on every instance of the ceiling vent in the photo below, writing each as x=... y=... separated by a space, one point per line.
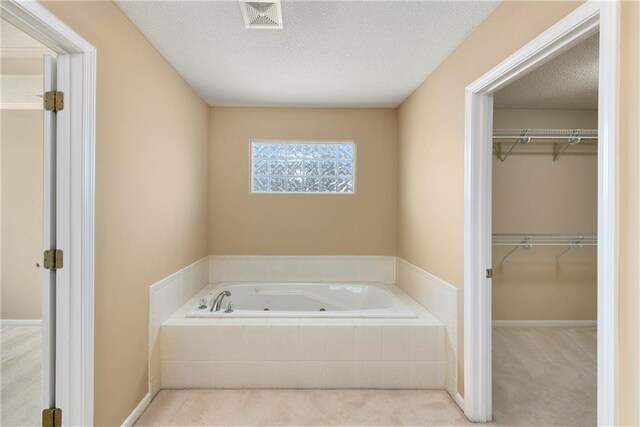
x=261 y=14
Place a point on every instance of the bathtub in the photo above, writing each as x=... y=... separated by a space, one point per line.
x=323 y=300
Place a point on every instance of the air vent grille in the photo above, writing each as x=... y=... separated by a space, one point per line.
x=261 y=14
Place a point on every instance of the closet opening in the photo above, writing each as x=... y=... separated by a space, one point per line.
x=544 y=221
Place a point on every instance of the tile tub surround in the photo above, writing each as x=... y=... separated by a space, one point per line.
x=440 y=298
x=231 y=268
x=165 y=297
x=303 y=352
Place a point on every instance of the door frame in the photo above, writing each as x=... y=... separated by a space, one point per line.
x=75 y=205
x=591 y=17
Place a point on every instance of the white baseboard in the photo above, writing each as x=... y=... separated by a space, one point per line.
x=546 y=323
x=135 y=414
x=20 y=322
x=459 y=401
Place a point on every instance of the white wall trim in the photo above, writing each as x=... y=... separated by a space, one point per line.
x=432 y=277
x=435 y=294
x=137 y=411
x=441 y=299
x=575 y=27
x=166 y=281
x=75 y=193
x=459 y=400
x=545 y=323
x=22 y=52
x=165 y=297
x=304 y=268
x=20 y=322
x=20 y=106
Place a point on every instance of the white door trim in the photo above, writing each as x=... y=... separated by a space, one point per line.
x=76 y=216
x=587 y=19
x=49 y=228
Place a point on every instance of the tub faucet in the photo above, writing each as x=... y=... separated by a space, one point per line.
x=217 y=301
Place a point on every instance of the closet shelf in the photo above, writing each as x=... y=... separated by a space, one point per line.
x=527 y=241
x=562 y=139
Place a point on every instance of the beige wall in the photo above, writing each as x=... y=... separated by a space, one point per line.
x=21 y=286
x=431 y=129
x=152 y=182
x=533 y=195
x=151 y=189
x=303 y=224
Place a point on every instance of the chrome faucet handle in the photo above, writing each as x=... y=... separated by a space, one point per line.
x=229 y=308
x=204 y=303
x=217 y=301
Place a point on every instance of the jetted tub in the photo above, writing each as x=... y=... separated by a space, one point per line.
x=369 y=300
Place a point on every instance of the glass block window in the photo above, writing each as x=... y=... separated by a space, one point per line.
x=302 y=167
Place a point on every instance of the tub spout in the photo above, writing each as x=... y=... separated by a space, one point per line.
x=217 y=301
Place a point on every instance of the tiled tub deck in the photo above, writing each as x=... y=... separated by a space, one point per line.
x=302 y=352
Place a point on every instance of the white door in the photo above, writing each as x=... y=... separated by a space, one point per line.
x=49 y=240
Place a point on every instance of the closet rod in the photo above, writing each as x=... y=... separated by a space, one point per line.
x=527 y=241
x=545 y=133
x=501 y=239
x=526 y=136
x=545 y=138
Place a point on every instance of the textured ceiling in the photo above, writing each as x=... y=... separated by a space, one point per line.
x=569 y=81
x=329 y=53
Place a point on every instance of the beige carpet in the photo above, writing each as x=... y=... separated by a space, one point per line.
x=302 y=408
x=544 y=376
x=20 y=376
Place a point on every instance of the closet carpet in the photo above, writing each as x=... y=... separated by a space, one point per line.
x=20 y=376
x=542 y=377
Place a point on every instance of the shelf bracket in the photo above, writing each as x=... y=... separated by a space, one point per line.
x=524 y=139
x=523 y=244
x=574 y=139
x=577 y=244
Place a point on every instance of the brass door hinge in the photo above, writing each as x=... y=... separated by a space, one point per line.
x=53 y=259
x=52 y=417
x=53 y=101
x=489 y=273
